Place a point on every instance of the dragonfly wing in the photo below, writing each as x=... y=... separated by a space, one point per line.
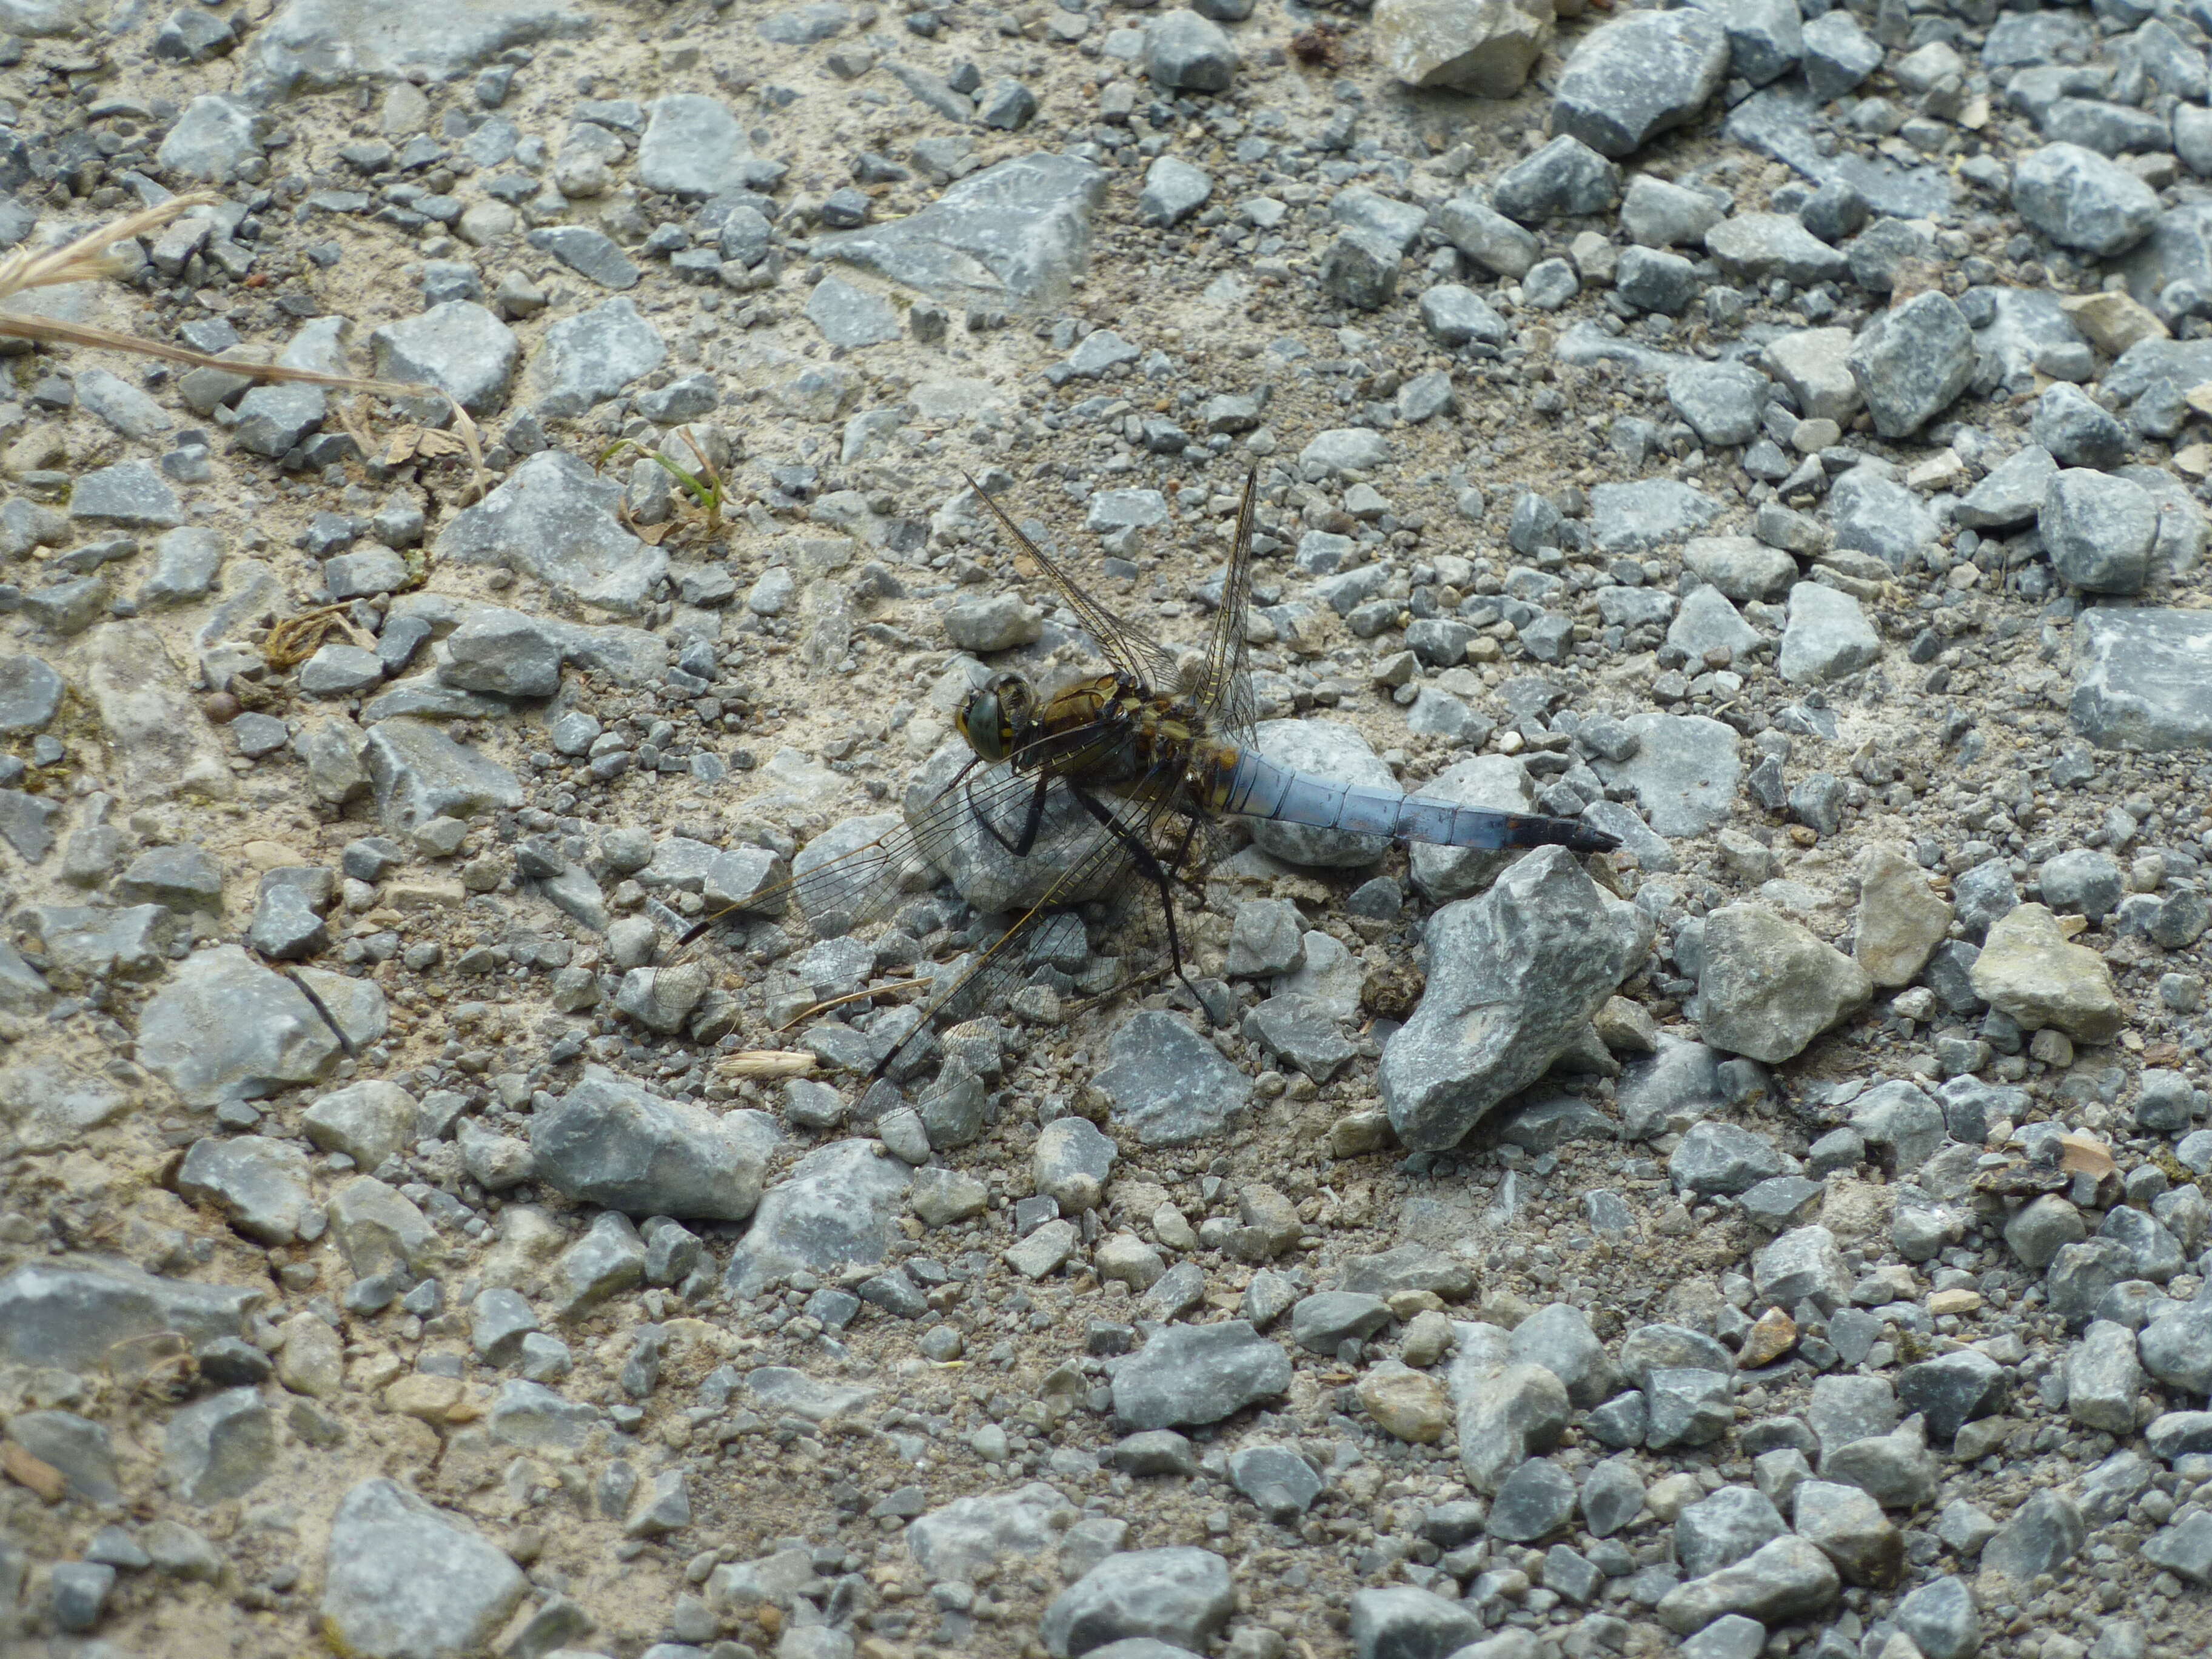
x=990 y=813
x=845 y=890
x=1224 y=689
x=1105 y=873
x=1131 y=650
x=1048 y=930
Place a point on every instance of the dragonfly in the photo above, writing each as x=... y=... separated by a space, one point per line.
x=1109 y=791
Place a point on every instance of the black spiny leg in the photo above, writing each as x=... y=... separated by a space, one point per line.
x=1019 y=847
x=1150 y=867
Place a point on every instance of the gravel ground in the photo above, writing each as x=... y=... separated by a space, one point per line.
x=1776 y=440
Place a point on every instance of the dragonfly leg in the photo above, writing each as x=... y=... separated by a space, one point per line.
x=1153 y=870
x=1031 y=822
x=1183 y=853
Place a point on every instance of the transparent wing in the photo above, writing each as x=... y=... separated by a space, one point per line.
x=1105 y=873
x=1224 y=689
x=1134 y=653
x=862 y=887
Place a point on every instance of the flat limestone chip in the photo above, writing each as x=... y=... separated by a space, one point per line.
x=225 y=1028
x=70 y=1311
x=951 y=1541
x=1169 y=1083
x=609 y=1141
x=1198 y=1373
x=1900 y=919
x=835 y=1208
x=555 y=519
x=2144 y=678
x=335 y=43
x=165 y=745
x=1483 y=46
x=1015 y=231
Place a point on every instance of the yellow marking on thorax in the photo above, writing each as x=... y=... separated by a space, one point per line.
x=1214 y=765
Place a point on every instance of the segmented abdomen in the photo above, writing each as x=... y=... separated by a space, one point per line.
x=1251 y=784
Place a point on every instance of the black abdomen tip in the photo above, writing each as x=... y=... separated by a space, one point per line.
x=1560 y=832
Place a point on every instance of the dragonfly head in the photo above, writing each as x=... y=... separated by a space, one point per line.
x=994 y=717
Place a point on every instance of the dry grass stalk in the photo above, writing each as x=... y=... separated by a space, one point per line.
x=295 y=639
x=767 y=1064
x=90 y=258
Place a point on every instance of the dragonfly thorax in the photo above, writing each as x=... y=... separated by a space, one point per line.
x=997 y=718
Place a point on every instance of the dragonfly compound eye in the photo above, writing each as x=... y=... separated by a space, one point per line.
x=980 y=723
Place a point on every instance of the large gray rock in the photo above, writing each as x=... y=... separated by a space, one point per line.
x=582 y=361
x=1174 y=190
x=367 y=1122
x=1486 y=47
x=1828 y=636
x=1766 y=987
x=420 y=773
x=211 y=140
x=1169 y=1083
x=555 y=518
x=156 y=734
x=1567 y=176
x=401 y=1580
x=1721 y=401
x=259 y=1184
x=1192 y=1374
x=956 y=1539
x=225 y=1028
x=334 y=42
x=1650 y=515
x=68 y=1311
x=1684 y=771
x=219 y=1447
x=1175 y=1599
x=1815 y=363
x=2080 y=199
x=1508 y=1409
x=1513 y=975
x=1871 y=514
x=1899 y=919
x=692 y=147
x=2023 y=335
x=610 y=1142
x=1708 y=622
x=2031 y=971
x=837 y=1208
x=1781 y=1581
x=459 y=347
x=2143 y=678
x=2013 y=492
x=1761 y=246
x=1638 y=77
x=1765 y=37
x=30 y=694
x=1017 y=231
x=1912 y=362
x=2099 y=530
x=1184 y=50
x=47 y=1104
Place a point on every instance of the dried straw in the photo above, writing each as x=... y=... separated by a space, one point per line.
x=91 y=257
